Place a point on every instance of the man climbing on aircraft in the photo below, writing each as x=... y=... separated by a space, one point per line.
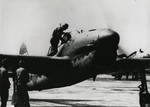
x=56 y=37
x=4 y=84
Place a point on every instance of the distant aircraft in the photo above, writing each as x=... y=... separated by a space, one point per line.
x=129 y=68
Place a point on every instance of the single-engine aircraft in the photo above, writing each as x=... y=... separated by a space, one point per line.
x=86 y=55
x=127 y=68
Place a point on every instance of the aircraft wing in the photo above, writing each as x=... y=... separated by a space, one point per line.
x=36 y=64
x=138 y=60
x=141 y=62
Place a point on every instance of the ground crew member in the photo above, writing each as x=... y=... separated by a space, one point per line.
x=56 y=37
x=66 y=37
x=4 y=85
x=22 y=91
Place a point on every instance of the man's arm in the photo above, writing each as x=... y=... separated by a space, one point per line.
x=61 y=38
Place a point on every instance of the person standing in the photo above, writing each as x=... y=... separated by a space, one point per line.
x=22 y=77
x=4 y=85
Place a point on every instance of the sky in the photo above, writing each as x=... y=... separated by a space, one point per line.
x=33 y=21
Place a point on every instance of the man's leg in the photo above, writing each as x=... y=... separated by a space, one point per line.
x=4 y=86
x=4 y=98
x=54 y=45
x=26 y=99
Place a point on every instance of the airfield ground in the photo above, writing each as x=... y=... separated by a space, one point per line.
x=104 y=92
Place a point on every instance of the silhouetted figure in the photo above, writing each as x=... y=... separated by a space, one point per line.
x=141 y=51
x=22 y=78
x=66 y=37
x=4 y=86
x=56 y=37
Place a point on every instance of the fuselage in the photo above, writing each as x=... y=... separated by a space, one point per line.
x=88 y=54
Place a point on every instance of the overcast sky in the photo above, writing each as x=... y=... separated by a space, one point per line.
x=32 y=21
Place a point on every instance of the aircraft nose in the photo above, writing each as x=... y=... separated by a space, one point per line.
x=106 y=49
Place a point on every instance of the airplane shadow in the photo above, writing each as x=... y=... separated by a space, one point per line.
x=68 y=103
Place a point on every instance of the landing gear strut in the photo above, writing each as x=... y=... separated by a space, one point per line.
x=144 y=95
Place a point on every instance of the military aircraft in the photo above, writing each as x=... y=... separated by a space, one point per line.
x=127 y=68
x=84 y=56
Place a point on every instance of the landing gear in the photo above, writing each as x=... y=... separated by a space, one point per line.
x=144 y=95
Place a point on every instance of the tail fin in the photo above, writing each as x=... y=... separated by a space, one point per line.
x=23 y=49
